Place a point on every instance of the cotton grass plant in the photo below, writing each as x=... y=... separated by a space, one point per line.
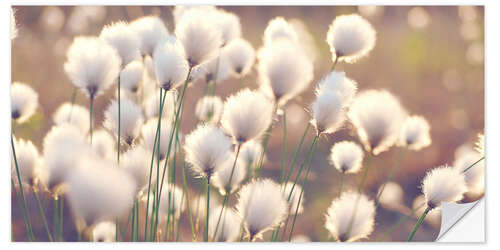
x=129 y=180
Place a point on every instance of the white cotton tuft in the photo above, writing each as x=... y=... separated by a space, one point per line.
x=61 y=146
x=104 y=232
x=123 y=39
x=338 y=83
x=170 y=64
x=176 y=197
x=152 y=106
x=131 y=76
x=475 y=175
x=199 y=36
x=150 y=30
x=223 y=175
x=262 y=206
x=94 y=195
x=443 y=184
x=250 y=153
x=328 y=113
x=247 y=114
x=73 y=114
x=131 y=120
x=294 y=198
x=209 y=109
x=216 y=69
x=28 y=161
x=240 y=55
x=279 y=28
x=149 y=133
x=228 y=24
x=415 y=133
x=180 y=10
x=24 y=101
x=92 y=65
x=103 y=144
x=229 y=225
x=350 y=37
x=346 y=157
x=392 y=196
x=207 y=147
x=137 y=162
x=352 y=210
x=377 y=116
x=284 y=70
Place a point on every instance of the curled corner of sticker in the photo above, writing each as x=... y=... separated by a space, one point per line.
x=462 y=222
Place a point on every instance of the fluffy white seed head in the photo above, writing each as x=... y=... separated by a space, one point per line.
x=250 y=152
x=228 y=24
x=340 y=215
x=433 y=217
x=294 y=198
x=223 y=175
x=350 y=37
x=61 y=146
x=247 y=114
x=152 y=106
x=171 y=66
x=392 y=195
x=180 y=10
x=104 y=232
x=229 y=225
x=207 y=147
x=131 y=76
x=131 y=120
x=149 y=134
x=480 y=144
x=103 y=144
x=278 y=28
x=75 y=115
x=209 y=109
x=136 y=162
x=24 y=101
x=443 y=184
x=337 y=82
x=92 y=65
x=123 y=39
x=475 y=175
x=94 y=195
x=150 y=30
x=176 y=197
x=377 y=116
x=200 y=38
x=28 y=161
x=328 y=113
x=240 y=55
x=216 y=69
x=284 y=70
x=415 y=133
x=261 y=205
x=347 y=157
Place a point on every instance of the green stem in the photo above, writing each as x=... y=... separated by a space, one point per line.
x=335 y=63
x=184 y=185
x=265 y=142
x=224 y=201
x=473 y=164
x=125 y=229
x=313 y=147
x=132 y=230
x=208 y=209
x=342 y=175
x=91 y=114
x=283 y=151
x=21 y=191
x=56 y=218
x=297 y=151
x=419 y=222
x=399 y=222
x=365 y=174
x=391 y=174
x=61 y=217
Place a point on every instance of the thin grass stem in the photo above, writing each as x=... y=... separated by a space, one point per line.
x=400 y=157
x=419 y=222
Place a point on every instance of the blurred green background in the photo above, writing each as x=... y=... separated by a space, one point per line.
x=431 y=58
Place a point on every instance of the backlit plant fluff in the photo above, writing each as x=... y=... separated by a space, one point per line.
x=171 y=66
x=123 y=39
x=443 y=184
x=350 y=37
x=131 y=76
x=240 y=55
x=207 y=147
x=150 y=30
x=130 y=123
x=415 y=133
x=377 y=116
x=92 y=65
x=350 y=217
x=75 y=115
x=247 y=114
x=346 y=157
x=261 y=205
x=209 y=109
x=24 y=102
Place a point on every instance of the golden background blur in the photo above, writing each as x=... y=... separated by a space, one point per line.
x=431 y=58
